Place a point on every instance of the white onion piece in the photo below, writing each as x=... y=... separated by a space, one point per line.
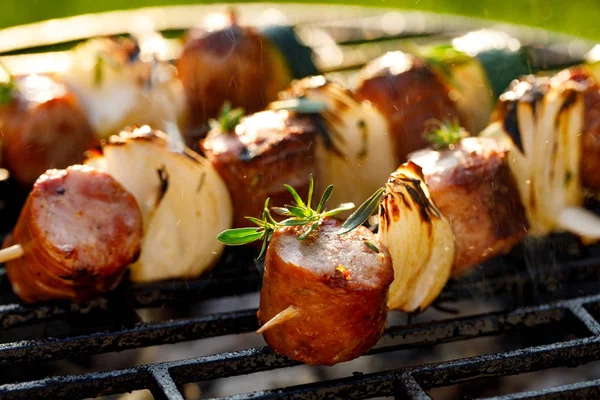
x=472 y=93
x=418 y=238
x=127 y=93
x=547 y=170
x=364 y=155
x=581 y=222
x=181 y=224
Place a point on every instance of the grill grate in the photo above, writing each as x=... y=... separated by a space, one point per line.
x=533 y=287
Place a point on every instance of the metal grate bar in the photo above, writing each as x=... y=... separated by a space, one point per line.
x=571 y=353
x=141 y=335
x=407 y=388
x=580 y=390
x=396 y=338
x=163 y=387
x=584 y=316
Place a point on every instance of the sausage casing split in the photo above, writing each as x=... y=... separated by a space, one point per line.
x=79 y=230
x=339 y=287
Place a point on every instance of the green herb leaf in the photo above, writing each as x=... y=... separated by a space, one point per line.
x=445 y=134
x=294 y=222
x=257 y=221
x=371 y=246
x=311 y=187
x=228 y=118
x=363 y=212
x=300 y=212
x=325 y=198
x=281 y=211
x=299 y=105
x=7 y=88
x=296 y=196
x=342 y=207
x=240 y=236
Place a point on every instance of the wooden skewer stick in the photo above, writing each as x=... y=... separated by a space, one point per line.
x=10 y=253
x=281 y=317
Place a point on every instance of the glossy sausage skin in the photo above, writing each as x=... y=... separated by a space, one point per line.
x=43 y=127
x=266 y=151
x=410 y=95
x=473 y=187
x=341 y=312
x=233 y=64
x=79 y=229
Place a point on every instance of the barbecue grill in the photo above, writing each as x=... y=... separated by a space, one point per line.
x=543 y=285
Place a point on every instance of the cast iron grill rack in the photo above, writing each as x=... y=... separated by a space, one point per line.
x=542 y=284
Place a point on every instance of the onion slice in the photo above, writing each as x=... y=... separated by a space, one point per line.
x=183 y=200
x=547 y=168
x=418 y=238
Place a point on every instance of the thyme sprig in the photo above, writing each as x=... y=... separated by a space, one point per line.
x=445 y=134
x=299 y=214
x=228 y=118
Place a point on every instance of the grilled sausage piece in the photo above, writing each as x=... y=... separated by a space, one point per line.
x=235 y=64
x=531 y=89
x=266 y=151
x=338 y=286
x=410 y=95
x=474 y=189
x=79 y=230
x=43 y=127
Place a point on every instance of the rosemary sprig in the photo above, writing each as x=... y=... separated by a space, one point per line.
x=6 y=88
x=228 y=118
x=299 y=214
x=445 y=134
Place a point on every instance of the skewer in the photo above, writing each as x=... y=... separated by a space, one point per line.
x=281 y=317
x=11 y=253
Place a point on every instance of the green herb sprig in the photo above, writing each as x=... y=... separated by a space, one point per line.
x=228 y=118
x=299 y=214
x=103 y=59
x=445 y=134
x=7 y=88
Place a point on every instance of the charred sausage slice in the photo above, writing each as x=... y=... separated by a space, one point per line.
x=79 y=229
x=409 y=94
x=267 y=150
x=472 y=186
x=337 y=286
x=43 y=127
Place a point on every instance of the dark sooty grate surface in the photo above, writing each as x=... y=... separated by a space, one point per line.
x=541 y=284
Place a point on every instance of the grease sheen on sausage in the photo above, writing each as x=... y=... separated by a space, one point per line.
x=339 y=287
x=79 y=230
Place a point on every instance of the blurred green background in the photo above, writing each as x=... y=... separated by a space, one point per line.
x=577 y=17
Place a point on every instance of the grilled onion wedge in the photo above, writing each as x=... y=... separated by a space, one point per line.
x=121 y=83
x=418 y=238
x=354 y=151
x=184 y=203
